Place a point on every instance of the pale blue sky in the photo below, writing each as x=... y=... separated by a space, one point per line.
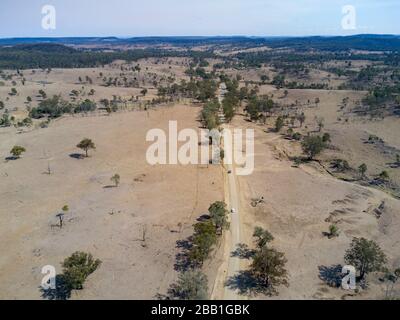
x=22 y=18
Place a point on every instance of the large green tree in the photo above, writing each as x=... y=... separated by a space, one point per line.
x=366 y=256
x=77 y=268
x=218 y=214
x=191 y=285
x=203 y=239
x=268 y=267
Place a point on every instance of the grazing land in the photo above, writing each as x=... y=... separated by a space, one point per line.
x=325 y=112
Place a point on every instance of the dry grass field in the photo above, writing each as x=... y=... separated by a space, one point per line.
x=104 y=220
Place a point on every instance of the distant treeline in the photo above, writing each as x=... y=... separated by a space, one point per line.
x=49 y=55
x=369 y=42
x=256 y=59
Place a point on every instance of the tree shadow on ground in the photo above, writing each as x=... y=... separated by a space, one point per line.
x=246 y=284
x=77 y=156
x=182 y=260
x=332 y=275
x=203 y=218
x=393 y=165
x=11 y=158
x=61 y=292
x=242 y=251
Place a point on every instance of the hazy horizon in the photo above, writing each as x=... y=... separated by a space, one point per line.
x=201 y=36
x=124 y=18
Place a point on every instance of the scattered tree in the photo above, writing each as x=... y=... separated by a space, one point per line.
x=42 y=93
x=268 y=267
x=5 y=120
x=144 y=92
x=302 y=119
x=320 y=123
x=384 y=175
x=312 y=146
x=61 y=215
x=264 y=78
x=362 y=169
x=16 y=151
x=116 y=179
x=326 y=138
x=262 y=237
x=85 y=145
x=77 y=268
x=391 y=278
x=279 y=124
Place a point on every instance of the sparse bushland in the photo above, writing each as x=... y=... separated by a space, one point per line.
x=85 y=106
x=231 y=100
x=55 y=107
x=202 y=90
x=209 y=115
x=258 y=107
